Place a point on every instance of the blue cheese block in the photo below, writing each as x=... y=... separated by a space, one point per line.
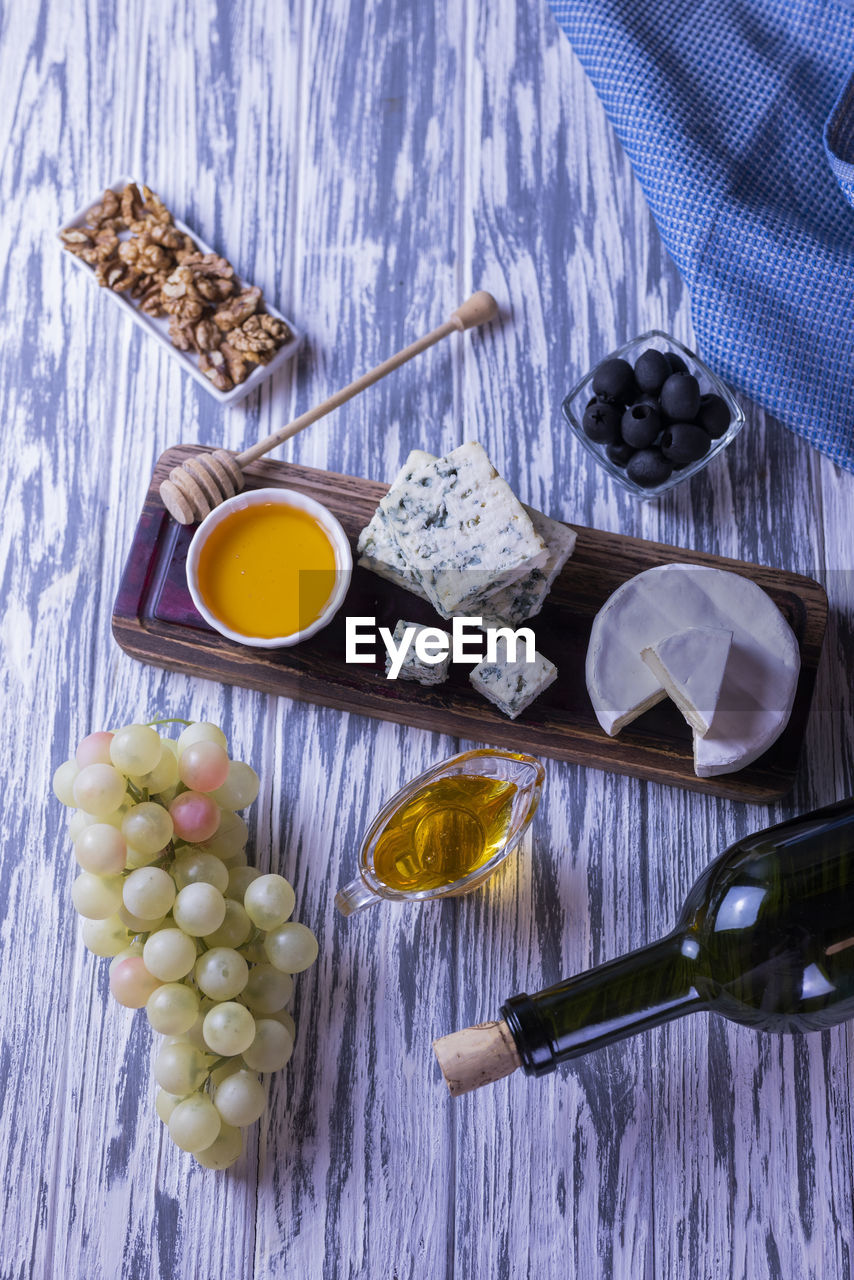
x=413 y=667
x=377 y=548
x=513 y=686
x=461 y=530
x=512 y=605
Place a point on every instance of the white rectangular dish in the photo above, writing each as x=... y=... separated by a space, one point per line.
x=158 y=327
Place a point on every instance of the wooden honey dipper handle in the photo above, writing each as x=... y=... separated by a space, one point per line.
x=476 y=310
x=476 y=1056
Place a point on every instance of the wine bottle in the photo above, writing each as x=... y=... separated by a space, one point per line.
x=765 y=938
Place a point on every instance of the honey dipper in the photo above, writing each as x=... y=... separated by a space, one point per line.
x=199 y=484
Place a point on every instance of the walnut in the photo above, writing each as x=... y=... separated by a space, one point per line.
x=252 y=339
x=213 y=366
x=151 y=299
x=238 y=366
x=116 y=275
x=181 y=335
x=108 y=211
x=169 y=237
x=238 y=309
x=210 y=264
x=131 y=204
x=180 y=284
x=185 y=250
x=207 y=335
x=143 y=253
x=277 y=329
x=106 y=244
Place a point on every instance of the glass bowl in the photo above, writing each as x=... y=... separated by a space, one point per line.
x=576 y=402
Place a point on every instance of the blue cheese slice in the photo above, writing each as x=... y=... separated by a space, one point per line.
x=510 y=606
x=512 y=686
x=377 y=549
x=461 y=530
x=691 y=665
x=413 y=667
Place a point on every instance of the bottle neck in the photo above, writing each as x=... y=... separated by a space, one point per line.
x=614 y=1000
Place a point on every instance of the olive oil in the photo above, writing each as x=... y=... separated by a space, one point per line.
x=447 y=830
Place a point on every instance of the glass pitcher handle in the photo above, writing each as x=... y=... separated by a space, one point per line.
x=355 y=896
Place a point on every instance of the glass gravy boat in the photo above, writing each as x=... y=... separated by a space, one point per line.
x=447 y=830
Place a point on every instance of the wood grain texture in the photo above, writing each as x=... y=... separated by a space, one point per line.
x=154 y=620
x=369 y=163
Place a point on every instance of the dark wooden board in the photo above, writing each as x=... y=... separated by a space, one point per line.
x=154 y=620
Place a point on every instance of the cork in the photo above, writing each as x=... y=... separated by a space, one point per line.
x=476 y=1056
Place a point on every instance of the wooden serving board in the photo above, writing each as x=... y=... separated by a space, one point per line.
x=154 y=620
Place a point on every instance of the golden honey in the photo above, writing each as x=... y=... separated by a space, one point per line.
x=447 y=830
x=267 y=570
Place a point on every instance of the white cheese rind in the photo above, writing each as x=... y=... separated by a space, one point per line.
x=512 y=686
x=461 y=530
x=761 y=675
x=691 y=665
x=412 y=668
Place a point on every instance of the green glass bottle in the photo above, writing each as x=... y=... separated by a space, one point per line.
x=766 y=938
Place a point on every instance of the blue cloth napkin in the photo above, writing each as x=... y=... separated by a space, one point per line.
x=738 y=119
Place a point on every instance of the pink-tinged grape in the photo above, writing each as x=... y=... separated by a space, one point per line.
x=268 y=990
x=196 y=867
x=96 y=897
x=195 y=815
x=286 y=1020
x=269 y=901
x=101 y=849
x=105 y=937
x=239 y=878
x=221 y=973
x=204 y=731
x=94 y=749
x=240 y=1099
x=292 y=947
x=135 y=749
x=199 y=909
x=226 y=1147
x=229 y=838
x=271 y=1048
x=99 y=789
x=139 y=924
x=63 y=782
x=180 y=1068
x=234 y=930
x=203 y=766
x=134 y=949
x=169 y=954
x=172 y=1009
x=240 y=787
x=165 y=773
x=228 y=1029
x=165 y=1103
x=147 y=827
x=194 y=1123
x=131 y=983
x=149 y=893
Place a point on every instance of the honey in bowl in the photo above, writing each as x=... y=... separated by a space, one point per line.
x=267 y=570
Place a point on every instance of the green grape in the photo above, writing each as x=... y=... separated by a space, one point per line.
x=135 y=859
x=165 y=772
x=180 y=1068
x=96 y=897
x=267 y=989
x=221 y=973
x=269 y=900
x=63 y=782
x=147 y=827
x=172 y=1009
x=149 y=893
x=227 y=1069
x=199 y=909
x=99 y=789
x=201 y=732
x=229 y=1029
x=138 y=924
x=226 y=1147
x=292 y=947
x=101 y=849
x=271 y=1048
x=229 y=838
x=169 y=954
x=194 y=1123
x=240 y=1099
x=135 y=750
x=195 y=866
x=134 y=949
x=239 y=878
x=236 y=859
x=286 y=1020
x=105 y=937
x=165 y=1103
x=240 y=787
x=234 y=930
x=80 y=820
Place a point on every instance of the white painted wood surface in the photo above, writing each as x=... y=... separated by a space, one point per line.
x=369 y=164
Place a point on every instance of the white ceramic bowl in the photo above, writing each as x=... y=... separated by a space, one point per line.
x=285 y=498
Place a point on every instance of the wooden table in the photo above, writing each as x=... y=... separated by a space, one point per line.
x=369 y=164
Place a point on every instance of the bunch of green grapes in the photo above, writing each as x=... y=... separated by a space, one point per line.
x=199 y=938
